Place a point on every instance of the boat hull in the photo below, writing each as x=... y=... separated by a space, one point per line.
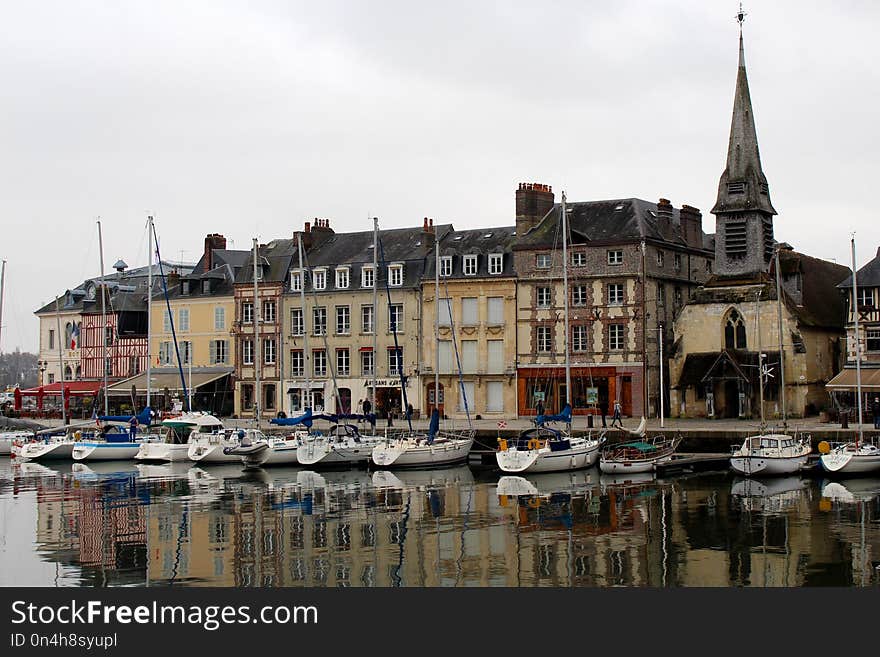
x=317 y=453
x=162 y=452
x=545 y=460
x=277 y=454
x=406 y=455
x=38 y=451
x=748 y=465
x=627 y=467
x=850 y=462
x=212 y=453
x=100 y=451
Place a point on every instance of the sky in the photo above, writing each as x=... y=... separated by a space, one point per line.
x=248 y=118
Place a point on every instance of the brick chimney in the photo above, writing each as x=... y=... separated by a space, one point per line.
x=173 y=278
x=533 y=202
x=428 y=234
x=320 y=231
x=212 y=241
x=691 y=221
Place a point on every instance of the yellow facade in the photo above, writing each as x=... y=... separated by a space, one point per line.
x=203 y=326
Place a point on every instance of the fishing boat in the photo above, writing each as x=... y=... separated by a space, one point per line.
x=858 y=456
x=178 y=432
x=543 y=448
x=638 y=456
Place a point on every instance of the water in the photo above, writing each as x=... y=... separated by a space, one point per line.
x=121 y=524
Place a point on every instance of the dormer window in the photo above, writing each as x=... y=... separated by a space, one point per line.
x=184 y=287
x=368 y=276
x=206 y=286
x=469 y=265
x=295 y=280
x=496 y=263
x=446 y=266
x=319 y=279
x=342 y=278
x=395 y=275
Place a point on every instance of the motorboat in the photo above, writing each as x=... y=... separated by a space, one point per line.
x=257 y=449
x=851 y=458
x=178 y=432
x=212 y=447
x=771 y=454
x=641 y=455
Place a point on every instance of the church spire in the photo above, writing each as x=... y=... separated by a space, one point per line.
x=743 y=185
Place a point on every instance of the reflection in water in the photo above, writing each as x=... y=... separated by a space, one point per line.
x=110 y=524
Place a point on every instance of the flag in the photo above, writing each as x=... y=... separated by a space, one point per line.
x=74 y=336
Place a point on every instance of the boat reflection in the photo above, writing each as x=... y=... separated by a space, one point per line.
x=771 y=494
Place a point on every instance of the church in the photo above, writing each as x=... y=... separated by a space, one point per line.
x=735 y=326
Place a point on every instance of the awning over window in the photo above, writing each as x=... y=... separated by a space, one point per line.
x=846 y=380
x=168 y=378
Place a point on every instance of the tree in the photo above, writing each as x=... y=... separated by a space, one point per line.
x=18 y=368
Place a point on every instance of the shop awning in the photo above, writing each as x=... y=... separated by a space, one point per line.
x=162 y=378
x=76 y=388
x=846 y=380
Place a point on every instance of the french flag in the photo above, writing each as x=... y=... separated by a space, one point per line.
x=74 y=336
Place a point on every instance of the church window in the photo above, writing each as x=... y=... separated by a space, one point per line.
x=735 y=331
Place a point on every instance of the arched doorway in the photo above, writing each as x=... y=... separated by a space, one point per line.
x=429 y=399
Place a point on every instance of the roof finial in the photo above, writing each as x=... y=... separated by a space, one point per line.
x=740 y=17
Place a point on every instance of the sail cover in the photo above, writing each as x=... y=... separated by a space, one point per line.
x=304 y=419
x=434 y=426
x=563 y=416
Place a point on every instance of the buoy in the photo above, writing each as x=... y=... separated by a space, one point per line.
x=824 y=447
x=824 y=504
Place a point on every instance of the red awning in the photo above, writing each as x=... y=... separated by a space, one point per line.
x=365 y=349
x=79 y=388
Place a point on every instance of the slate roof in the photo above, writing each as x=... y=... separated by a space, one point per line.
x=480 y=242
x=222 y=279
x=275 y=258
x=823 y=305
x=606 y=222
x=868 y=276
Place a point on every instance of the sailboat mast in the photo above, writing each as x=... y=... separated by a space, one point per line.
x=256 y=350
x=781 y=351
x=855 y=311
x=307 y=395
x=104 y=297
x=375 y=307
x=149 y=305
x=60 y=361
x=437 y=324
x=565 y=295
x=2 y=285
x=760 y=356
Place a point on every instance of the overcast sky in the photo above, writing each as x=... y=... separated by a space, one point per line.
x=248 y=118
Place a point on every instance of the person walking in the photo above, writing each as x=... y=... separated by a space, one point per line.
x=875 y=409
x=604 y=412
x=367 y=406
x=539 y=408
x=616 y=417
x=133 y=428
x=409 y=411
x=360 y=410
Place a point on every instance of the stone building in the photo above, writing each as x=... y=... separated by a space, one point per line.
x=477 y=312
x=632 y=266
x=729 y=331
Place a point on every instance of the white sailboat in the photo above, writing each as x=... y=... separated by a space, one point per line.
x=858 y=456
x=771 y=453
x=542 y=448
x=178 y=432
x=417 y=449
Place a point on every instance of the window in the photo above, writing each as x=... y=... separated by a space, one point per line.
x=494 y=397
x=51 y=377
x=247 y=312
x=542 y=334
x=466 y=397
x=295 y=280
x=395 y=317
x=469 y=265
x=166 y=321
x=615 y=337
x=165 y=352
x=319 y=279
x=395 y=275
x=108 y=366
x=579 y=338
x=319 y=362
x=873 y=340
x=343 y=320
x=219 y=352
x=469 y=356
x=444 y=310
x=579 y=295
x=51 y=338
x=367 y=363
x=542 y=261
x=219 y=318
x=659 y=258
x=319 y=321
x=186 y=352
x=296 y=321
x=495 y=352
x=206 y=286
x=496 y=311
x=108 y=335
x=677 y=296
x=343 y=362
x=578 y=259
x=247 y=352
x=543 y=297
x=269 y=351
x=446 y=266
x=342 y=278
x=615 y=294
x=184 y=287
x=496 y=263
x=297 y=363
x=269 y=396
x=469 y=315
x=247 y=395
x=661 y=294
x=676 y=261
x=395 y=360
x=735 y=331
x=368 y=276
x=615 y=257
x=866 y=297
x=268 y=308
x=367 y=319
x=446 y=356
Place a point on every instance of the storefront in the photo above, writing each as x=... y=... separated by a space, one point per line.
x=594 y=389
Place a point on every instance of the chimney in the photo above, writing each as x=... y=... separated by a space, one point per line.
x=691 y=226
x=428 y=236
x=533 y=202
x=664 y=218
x=321 y=231
x=173 y=278
x=212 y=241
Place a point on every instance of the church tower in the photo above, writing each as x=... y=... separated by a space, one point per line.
x=743 y=213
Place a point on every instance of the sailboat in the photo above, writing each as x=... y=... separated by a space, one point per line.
x=411 y=448
x=858 y=456
x=771 y=453
x=544 y=448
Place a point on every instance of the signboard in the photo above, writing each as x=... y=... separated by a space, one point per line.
x=384 y=383
x=592 y=395
x=538 y=395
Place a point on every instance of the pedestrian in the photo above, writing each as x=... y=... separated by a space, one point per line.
x=360 y=410
x=389 y=413
x=367 y=407
x=409 y=411
x=539 y=408
x=875 y=409
x=616 y=417
x=133 y=427
x=604 y=412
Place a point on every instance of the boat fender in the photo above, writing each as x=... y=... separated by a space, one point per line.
x=502 y=444
x=824 y=447
x=534 y=443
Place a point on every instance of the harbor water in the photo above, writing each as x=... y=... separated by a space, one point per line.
x=122 y=524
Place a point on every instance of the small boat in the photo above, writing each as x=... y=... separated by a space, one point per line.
x=179 y=431
x=112 y=443
x=45 y=445
x=414 y=449
x=212 y=447
x=850 y=458
x=771 y=454
x=9 y=438
x=545 y=449
x=257 y=449
x=342 y=443
x=637 y=456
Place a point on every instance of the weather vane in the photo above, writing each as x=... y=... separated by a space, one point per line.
x=740 y=16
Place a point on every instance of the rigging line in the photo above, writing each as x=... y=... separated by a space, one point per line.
x=171 y=319
x=395 y=575
x=398 y=352
x=328 y=360
x=457 y=359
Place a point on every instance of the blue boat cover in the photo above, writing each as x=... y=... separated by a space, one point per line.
x=564 y=416
x=304 y=419
x=434 y=426
x=144 y=417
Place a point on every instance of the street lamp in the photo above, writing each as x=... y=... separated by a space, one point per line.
x=42 y=365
